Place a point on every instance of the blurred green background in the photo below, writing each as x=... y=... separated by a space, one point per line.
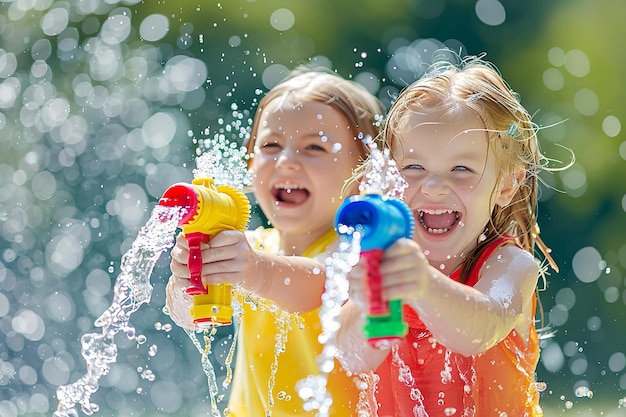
x=102 y=103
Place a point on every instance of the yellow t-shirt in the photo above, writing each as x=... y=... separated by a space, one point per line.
x=258 y=332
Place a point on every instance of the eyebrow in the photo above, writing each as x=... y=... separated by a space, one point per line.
x=467 y=155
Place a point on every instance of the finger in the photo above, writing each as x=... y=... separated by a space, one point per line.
x=219 y=254
x=407 y=285
x=211 y=269
x=226 y=238
x=179 y=270
x=180 y=251
x=179 y=303
x=181 y=241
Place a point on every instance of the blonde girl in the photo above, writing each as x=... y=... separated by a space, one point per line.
x=469 y=153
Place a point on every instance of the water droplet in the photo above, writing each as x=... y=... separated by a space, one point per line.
x=583 y=392
x=152 y=351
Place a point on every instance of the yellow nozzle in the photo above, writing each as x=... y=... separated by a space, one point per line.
x=218 y=208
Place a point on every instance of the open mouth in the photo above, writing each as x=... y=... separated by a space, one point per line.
x=438 y=221
x=290 y=193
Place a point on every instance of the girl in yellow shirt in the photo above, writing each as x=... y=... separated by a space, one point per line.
x=307 y=139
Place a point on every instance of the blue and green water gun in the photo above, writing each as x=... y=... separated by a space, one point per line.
x=381 y=221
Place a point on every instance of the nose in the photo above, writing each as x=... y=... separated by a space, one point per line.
x=434 y=185
x=288 y=160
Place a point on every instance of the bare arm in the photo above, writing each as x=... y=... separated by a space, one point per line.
x=470 y=320
x=467 y=320
x=294 y=283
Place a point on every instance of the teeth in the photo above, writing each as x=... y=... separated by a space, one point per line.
x=435 y=212
x=288 y=187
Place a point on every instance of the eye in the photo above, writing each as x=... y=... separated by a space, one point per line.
x=412 y=166
x=462 y=168
x=269 y=148
x=270 y=145
x=314 y=147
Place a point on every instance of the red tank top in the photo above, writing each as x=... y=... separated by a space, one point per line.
x=422 y=378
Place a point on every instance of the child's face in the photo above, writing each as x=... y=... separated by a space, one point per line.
x=303 y=154
x=453 y=186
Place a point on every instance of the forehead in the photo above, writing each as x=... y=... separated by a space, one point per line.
x=289 y=110
x=451 y=131
x=456 y=124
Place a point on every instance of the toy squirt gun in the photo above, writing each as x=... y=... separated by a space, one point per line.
x=211 y=209
x=381 y=221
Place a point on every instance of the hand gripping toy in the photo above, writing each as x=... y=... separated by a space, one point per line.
x=212 y=209
x=381 y=221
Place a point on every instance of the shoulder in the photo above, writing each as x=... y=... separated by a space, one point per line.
x=510 y=261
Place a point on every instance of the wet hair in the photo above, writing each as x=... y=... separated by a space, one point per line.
x=304 y=84
x=512 y=137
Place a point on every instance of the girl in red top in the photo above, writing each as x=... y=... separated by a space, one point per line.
x=468 y=151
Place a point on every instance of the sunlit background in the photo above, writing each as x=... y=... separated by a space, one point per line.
x=102 y=104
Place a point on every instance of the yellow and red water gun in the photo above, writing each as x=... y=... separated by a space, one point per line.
x=211 y=209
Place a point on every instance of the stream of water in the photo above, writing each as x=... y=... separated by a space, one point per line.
x=132 y=289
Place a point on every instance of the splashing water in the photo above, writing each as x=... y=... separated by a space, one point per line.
x=226 y=163
x=382 y=175
x=207 y=367
x=222 y=159
x=313 y=389
x=208 y=337
x=132 y=289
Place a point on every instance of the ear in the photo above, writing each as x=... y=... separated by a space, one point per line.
x=507 y=188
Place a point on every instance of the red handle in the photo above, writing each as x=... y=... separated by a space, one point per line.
x=195 y=239
x=376 y=304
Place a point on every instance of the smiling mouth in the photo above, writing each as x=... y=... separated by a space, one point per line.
x=438 y=222
x=290 y=194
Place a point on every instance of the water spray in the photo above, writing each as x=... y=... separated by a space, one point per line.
x=211 y=209
x=381 y=221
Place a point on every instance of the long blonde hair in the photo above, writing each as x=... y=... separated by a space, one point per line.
x=512 y=136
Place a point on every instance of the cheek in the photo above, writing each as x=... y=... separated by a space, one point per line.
x=350 y=160
x=414 y=185
x=257 y=172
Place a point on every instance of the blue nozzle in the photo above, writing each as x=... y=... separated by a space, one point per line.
x=381 y=221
